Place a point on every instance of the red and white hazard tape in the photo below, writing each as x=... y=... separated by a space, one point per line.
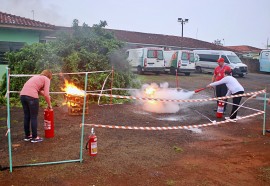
x=172 y=127
x=180 y=100
x=8 y=130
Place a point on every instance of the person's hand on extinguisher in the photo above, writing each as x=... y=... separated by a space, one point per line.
x=47 y=98
x=49 y=107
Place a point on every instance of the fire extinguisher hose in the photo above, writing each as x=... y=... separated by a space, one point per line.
x=86 y=146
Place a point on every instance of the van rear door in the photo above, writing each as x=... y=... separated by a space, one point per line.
x=184 y=59
x=154 y=58
x=187 y=60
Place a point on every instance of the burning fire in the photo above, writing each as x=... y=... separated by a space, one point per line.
x=150 y=91
x=74 y=99
x=71 y=89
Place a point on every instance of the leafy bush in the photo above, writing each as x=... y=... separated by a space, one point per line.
x=84 y=49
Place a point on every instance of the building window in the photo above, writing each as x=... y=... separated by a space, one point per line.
x=8 y=47
x=42 y=41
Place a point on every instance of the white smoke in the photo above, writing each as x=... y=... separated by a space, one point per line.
x=162 y=92
x=24 y=8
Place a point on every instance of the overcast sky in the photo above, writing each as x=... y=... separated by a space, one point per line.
x=234 y=22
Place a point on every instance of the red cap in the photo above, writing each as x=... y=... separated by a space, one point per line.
x=220 y=59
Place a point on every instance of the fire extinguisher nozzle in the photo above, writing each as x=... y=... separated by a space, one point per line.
x=200 y=89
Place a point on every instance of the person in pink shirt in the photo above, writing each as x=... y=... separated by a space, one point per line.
x=35 y=86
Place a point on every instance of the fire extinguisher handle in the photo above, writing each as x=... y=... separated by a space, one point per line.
x=49 y=108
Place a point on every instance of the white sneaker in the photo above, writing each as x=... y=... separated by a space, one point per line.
x=37 y=140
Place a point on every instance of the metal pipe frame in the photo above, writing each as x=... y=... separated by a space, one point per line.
x=9 y=131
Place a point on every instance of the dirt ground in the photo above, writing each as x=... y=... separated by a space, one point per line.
x=227 y=154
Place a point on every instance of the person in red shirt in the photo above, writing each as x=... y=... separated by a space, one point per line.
x=219 y=73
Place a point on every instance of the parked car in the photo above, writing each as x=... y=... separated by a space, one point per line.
x=208 y=61
x=146 y=60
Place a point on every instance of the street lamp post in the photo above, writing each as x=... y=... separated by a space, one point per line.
x=182 y=21
x=33 y=12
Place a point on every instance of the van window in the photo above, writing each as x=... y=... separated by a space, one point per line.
x=225 y=59
x=234 y=59
x=188 y=56
x=197 y=58
x=265 y=55
x=208 y=57
x=192 y=58
x=184 y=56
x=155 y=54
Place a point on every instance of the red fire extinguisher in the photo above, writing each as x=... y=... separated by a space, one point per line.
x=91 y=145
x=48 y=123
x=220 y=109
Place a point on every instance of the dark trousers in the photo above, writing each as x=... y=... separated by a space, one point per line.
x=30 y=109
x=221 y=90
x=236 y=101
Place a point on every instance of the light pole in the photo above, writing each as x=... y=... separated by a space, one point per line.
x=33 y=12
x=182 y=21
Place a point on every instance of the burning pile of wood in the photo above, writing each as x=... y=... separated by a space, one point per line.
x=75 y=104
x=75 y=99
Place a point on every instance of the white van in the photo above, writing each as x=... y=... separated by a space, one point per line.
x=146 y=60
x=265 y=61
x=208 y=61
x=181 y=60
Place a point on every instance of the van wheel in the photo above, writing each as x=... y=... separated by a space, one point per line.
x=172 y=71
x=199 y=69
x=241 y=75
x=139 y=70
x=187 y=74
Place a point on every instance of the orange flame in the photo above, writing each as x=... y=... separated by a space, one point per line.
x=71 y=89
x=150 y=91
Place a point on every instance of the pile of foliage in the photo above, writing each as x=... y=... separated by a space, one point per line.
x=82 y=49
